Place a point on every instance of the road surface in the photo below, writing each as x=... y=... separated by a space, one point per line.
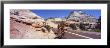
x=71 y=34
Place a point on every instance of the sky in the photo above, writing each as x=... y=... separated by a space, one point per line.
x=64 y=13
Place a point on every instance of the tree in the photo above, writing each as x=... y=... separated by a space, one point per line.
x=73 y=26
x=82 y=26
x=99 y=20
x=99 y=23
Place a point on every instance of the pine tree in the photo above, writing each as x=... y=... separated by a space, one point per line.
x=99 y=23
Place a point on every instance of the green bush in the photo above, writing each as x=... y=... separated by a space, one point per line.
x=97 y=30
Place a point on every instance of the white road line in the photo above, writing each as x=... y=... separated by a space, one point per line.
x=65 y=31
x=69 y=32
x=73 y=33
x=80 y=35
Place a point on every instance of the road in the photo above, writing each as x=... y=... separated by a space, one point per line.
x=71 y=34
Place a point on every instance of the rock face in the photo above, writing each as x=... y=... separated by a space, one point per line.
x=51 y=24
x=78 y=17
x=24 y=24
x=81 y=16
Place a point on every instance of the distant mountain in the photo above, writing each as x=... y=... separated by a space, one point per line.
x=81 y=17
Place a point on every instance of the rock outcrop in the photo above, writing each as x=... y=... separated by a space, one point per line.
x=24 y=24
x=81 y=17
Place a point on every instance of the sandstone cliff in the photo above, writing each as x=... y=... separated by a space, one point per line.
x=24 y=24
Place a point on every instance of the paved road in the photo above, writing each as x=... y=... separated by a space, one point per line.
x=71 y=34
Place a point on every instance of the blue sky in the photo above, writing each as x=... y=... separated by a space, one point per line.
x=64 y=13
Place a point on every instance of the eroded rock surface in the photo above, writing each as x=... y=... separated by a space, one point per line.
x=24 y=24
